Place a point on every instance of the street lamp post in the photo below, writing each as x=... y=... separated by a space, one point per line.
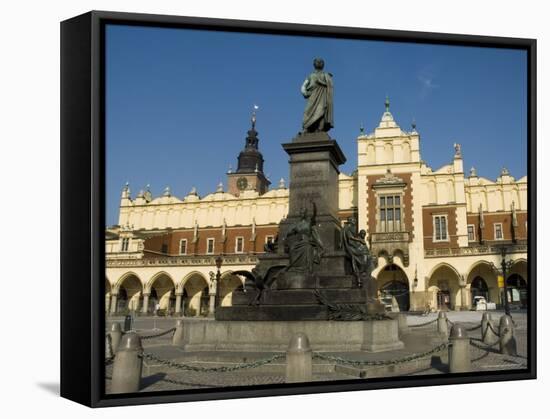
x=505 y=266
x=219 y=261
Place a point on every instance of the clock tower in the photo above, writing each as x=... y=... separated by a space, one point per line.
x=250 y=169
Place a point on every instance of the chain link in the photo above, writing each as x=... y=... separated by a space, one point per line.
x=485 y=346
x=166 y=332
x=358 y=362
x=471 y=329
x=423 y=324
x=493 y=330
x=225 y=368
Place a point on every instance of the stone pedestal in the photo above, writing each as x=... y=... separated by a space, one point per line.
x=314 y=161
x=381 y=335
x=268 y=336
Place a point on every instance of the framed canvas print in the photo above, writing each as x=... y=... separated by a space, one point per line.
x=256 y=209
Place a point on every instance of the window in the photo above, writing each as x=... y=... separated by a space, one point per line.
x=239 y=244
x=390 y=213
x=498 y=231
x=183 y=246
x=125 y=244
x=164 y=248
x=209 y=246
x=471 y=233
x=440 y=228
x=269 y=239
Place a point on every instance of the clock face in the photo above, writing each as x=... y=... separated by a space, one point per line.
x=242 y=183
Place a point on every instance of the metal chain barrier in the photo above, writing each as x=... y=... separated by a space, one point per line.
x=484 y=346
x=471 y=329
x=225 y=368
x=158 y=335
x=423 y=324
x=493 y=330
x=357 y=362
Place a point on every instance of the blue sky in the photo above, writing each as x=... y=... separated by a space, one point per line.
x=178 y=103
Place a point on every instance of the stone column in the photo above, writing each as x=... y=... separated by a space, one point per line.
x=299 y=359
x=145 y=307
x=178 y=303
x=463 y=302
x=116 y=336
x=198 y=298
x=113 y=303
x=459 y=351
x=211 y=305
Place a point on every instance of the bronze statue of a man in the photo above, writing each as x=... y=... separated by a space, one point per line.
x=317 y=89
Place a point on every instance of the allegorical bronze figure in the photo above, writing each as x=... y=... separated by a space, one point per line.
x=317 y=89
x=305 y=247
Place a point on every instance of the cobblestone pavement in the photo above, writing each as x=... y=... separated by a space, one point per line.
x=419 y=339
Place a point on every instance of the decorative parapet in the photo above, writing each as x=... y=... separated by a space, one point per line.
x=391 y=244
x=473 y=250
x=402 y=236
x=183 y=261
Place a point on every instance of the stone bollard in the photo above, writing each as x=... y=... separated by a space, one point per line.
x=108 y=347
x=298 y=359
x=177 y=339
x=116 y=335
x=128 y=364
x=459 y=351
x=442 y=327
x=487 y=326
x=508 y=344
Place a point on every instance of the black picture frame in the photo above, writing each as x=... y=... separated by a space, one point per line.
x=83 y=206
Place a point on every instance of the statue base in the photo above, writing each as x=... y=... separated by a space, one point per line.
x=268 y=336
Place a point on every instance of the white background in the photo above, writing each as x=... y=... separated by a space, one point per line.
x=29 y=191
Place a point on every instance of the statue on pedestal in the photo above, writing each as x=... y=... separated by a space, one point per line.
x=317 y=89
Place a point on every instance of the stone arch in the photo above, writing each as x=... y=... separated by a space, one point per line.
x=444 y=289
x=228 y=284
x=486 y=271
x=162 y=293
x=393 y=283
x=129 y=293
x=398 y=258
x=195 y=294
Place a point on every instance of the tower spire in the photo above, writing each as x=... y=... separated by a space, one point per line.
x=387 y=103
x=253 y=119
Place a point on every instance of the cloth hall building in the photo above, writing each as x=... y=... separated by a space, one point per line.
x=436 y=234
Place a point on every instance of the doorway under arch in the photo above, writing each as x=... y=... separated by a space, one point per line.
x=162 y=295
x=129 y=294
x=394 y=284
x=517 y=290
x=195 y=295
x=479 y=288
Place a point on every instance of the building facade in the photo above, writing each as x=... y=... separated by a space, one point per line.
x=437 y=234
